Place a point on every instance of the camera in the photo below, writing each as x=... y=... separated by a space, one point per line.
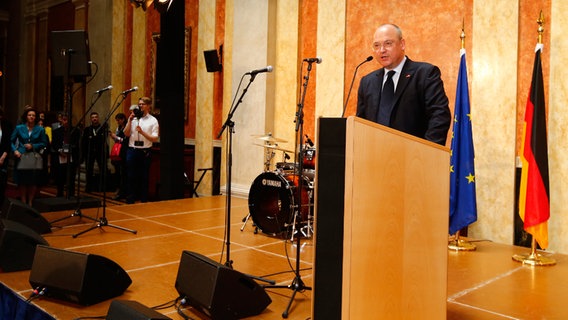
x=137 y=112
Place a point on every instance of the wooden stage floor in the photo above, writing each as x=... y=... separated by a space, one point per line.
x=483 y=284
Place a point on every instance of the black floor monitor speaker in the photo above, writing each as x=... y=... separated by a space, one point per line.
x=76 y=277
x=18 y=211
x=132 y=310
x=17 y=246
x=218 y=291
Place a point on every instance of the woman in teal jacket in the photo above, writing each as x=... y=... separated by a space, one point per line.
x=28 y=137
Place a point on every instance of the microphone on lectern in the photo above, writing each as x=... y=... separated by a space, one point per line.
x=369 y=58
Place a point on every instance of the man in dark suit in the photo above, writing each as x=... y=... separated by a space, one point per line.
x=94 y=149
x=65 y=156
x=419 y=105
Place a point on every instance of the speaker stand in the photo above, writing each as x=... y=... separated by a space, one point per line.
x=69 y=132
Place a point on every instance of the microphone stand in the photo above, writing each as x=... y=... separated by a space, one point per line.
x=297 y=284
x=103 y=222
x=71 y=129
x=231 y=125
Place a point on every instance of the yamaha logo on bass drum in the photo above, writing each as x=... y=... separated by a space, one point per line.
x=272 y=183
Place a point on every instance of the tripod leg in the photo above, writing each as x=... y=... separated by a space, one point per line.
x=287 y=310
x=98 y=225
x=122 y=228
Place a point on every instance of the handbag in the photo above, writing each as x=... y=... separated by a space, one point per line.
x=115 y=152
x=30 y=161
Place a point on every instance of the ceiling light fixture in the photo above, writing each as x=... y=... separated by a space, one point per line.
x=162 y=5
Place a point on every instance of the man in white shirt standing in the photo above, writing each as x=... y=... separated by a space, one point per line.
x=143 y=130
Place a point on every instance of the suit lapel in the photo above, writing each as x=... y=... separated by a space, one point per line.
x=404 y=79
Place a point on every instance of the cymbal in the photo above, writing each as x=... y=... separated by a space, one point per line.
x=273 y=147
x=268 y=137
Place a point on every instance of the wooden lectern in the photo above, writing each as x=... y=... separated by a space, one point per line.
x=381 y=223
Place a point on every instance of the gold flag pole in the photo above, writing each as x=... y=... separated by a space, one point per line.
x=540 y=22
x=533 y=258
x=462 y=35
x=458 y=244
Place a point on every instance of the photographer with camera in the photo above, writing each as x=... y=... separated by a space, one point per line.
x=143 y=130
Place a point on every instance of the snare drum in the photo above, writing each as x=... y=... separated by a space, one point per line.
x=286 y=167
x=273 y=199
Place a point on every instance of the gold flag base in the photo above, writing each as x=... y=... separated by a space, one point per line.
x=460 y=245
x=533 y=258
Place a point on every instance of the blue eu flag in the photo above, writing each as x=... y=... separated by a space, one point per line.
x=463 y=203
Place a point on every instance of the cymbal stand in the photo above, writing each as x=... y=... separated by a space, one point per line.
x=102 y=221
x=268 y=156
x=297 y=284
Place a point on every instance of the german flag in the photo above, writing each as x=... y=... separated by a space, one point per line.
x=534 y=201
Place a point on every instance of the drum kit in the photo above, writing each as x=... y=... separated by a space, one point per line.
x=280 y=191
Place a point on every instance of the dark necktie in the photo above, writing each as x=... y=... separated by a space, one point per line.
x=387 y=100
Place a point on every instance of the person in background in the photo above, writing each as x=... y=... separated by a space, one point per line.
x=65 y=156
x=143 y=130
x=120 y=165
x=57 y=123
x=93 y=150
x=42 y=122
x=417 y=103
x=46 y=156
x=5 y=150
x=28 y=137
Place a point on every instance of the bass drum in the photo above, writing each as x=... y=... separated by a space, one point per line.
x=272 y=199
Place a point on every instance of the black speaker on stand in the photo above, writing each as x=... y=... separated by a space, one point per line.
x=217 y=290
x=77 y=277
x=212 y=60
x=70 y=54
